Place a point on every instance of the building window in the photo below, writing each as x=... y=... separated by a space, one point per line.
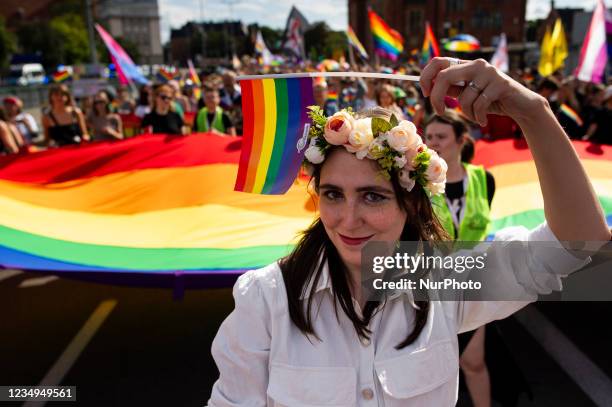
x=415 y=20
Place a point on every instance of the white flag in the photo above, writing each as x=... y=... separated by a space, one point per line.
x=500 y=57
x=262 y=50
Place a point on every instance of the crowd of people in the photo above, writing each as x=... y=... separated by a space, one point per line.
x=181 y=107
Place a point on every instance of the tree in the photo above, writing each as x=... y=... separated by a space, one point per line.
x=7 y=44
x=321 y=41
x=128 y=46
x=73 y=35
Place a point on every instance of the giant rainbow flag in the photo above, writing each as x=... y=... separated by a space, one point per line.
x=151 y=208
x=388 y=42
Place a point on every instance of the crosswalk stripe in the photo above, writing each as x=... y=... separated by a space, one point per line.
x=37 y=281
x=6 y=274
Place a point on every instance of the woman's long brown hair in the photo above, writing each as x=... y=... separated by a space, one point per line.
x=303 y=266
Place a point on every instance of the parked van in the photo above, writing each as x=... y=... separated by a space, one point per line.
x=26 y=74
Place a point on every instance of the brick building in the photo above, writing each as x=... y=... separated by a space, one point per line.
x=484 y=19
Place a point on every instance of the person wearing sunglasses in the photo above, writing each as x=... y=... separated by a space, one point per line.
x=163 y=119
x=104 y=124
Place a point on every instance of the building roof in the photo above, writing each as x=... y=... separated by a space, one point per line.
x=19 y=10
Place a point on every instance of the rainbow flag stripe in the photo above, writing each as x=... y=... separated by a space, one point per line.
x=61 y=76
x=275 y=117
x=430 y=47
x=195 y=78
x=571 y=113
x=155 y=206
x=354 y=41
x=165 y=76
x=388 y=42
x=332 y=95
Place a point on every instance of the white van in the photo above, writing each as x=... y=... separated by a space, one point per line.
x=26 y=74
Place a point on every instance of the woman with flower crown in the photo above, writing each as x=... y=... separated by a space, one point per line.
x=303 y=333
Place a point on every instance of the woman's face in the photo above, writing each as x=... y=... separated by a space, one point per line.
x=385 y=99
x=357 y=205
x=441 y=138
x=59 y=98
x=164 y=98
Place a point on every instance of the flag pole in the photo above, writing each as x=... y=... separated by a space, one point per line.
x=352 y=74
x=351 y=56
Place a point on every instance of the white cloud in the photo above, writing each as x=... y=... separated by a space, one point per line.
x=273 y=13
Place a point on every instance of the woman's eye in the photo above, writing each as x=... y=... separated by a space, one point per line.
x=372 y=197
x=332 y=195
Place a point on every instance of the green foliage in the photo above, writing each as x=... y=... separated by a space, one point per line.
x=317 y=116
x=8 y=44
x=272 y=37
x=321 y=42
x=394 y=122
x=380 y=125
x=73 y=38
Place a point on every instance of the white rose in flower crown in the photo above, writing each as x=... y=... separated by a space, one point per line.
x=401 y=161
x=403 y=136
x=314 y=155
x=376 y=148
x=404 y=179
x=360 y=138
x=436 y=188
x=436 y=171
x=338 y=128
x=412 y=153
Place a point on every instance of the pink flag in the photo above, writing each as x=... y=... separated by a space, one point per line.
x=125 y=67
x=594 y=55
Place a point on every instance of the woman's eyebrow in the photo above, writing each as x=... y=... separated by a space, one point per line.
x=329 y=186
x=374 y=188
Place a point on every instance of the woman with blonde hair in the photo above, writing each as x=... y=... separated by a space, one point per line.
x=64 y=123
x=385 y=97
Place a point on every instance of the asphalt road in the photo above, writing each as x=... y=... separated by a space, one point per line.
x=123 y=346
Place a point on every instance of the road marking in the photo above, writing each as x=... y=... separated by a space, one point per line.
x=57 y=372
x=37 y=281
x=586 y=374
x=6 y=274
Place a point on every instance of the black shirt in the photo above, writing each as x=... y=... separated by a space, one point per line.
x=603 y=120
x=454 y=192
x=170 y=123
x=227 y=122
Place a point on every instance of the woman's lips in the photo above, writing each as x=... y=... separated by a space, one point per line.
x=354 y=241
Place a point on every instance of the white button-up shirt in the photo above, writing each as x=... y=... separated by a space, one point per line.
x=265 y=360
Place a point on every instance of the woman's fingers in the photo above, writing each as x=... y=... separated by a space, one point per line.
x=448 y=77
x=486 y=101
x=430 y=72
x=469 y=95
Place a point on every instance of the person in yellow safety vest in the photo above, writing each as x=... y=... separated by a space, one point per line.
x=463 y=210
x=212 y=117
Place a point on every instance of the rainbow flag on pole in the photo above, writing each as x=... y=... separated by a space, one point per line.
x=61 y=76
x=195 y=78
x=571 y=113
x=275 y=119
x=388 y=42
x=354 y=41
x=430 y=47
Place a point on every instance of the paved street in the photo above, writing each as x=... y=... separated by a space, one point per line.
x=124 y=346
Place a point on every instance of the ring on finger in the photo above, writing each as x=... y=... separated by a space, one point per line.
x=453 y=62
x=475 y=87
x=484 y=95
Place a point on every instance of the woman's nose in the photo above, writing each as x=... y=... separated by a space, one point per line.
x=351 y=216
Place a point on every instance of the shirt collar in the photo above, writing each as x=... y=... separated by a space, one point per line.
x=324 y=283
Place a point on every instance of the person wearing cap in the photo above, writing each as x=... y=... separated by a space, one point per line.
x=600 y=130
x=25 y=122
x=11 y=141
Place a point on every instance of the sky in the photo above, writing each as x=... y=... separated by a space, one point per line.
x=273 y=13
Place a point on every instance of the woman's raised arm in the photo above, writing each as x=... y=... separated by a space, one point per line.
x=571 y=207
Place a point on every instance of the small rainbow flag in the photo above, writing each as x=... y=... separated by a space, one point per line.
x=571 y=113
x=165 y=76
x=388 y=42
x=61 y=76
x=195 y=78
x=332 y=95
x=275 y=119
x=430 y=47
x=354 y=41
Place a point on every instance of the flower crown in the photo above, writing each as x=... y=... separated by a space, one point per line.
x=395 y=145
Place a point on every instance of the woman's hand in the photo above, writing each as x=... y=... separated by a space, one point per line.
x=486 y=90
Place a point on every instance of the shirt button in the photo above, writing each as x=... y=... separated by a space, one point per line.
x=365 y=341
x=367 y=394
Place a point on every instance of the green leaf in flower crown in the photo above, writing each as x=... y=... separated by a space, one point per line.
x=393 y=121
x=380 y=125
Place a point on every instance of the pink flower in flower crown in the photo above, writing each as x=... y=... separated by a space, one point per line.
x=338 y=128
x=403 y=136
x=412 y=153
x=436 y=171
